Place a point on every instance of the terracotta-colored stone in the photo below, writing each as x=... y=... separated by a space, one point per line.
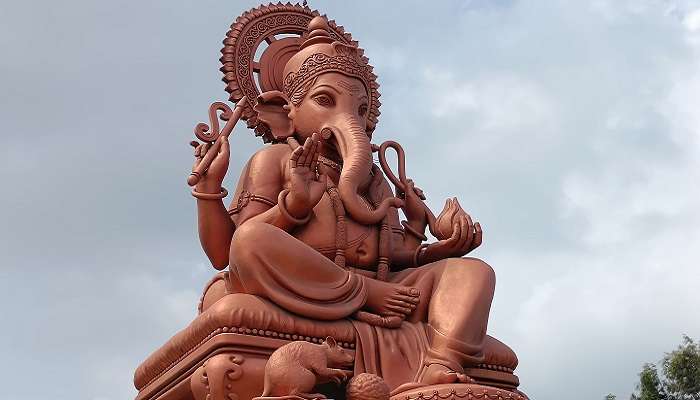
x=314 y=247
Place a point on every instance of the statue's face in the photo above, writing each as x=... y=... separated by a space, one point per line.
x=338 y=104
x=332 y=96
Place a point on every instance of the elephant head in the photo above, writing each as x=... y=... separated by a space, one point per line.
x=329 y=88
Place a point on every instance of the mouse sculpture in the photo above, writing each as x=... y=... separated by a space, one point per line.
x=296 y=368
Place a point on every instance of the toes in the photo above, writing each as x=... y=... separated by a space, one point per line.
x=437 y=374
x=392 y=322
x=400 y=304
x=449 y=377
x=389 y=320
x=405 y=299
x=408 y=291
x=400 y=309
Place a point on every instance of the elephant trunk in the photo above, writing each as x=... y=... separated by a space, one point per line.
x=356 y=151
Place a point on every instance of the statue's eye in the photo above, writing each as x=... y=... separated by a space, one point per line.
x=324 y=100
x=362 y=110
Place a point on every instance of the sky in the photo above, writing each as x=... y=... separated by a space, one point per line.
x=569 y=129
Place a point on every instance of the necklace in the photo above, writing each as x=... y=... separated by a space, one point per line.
x=327 y=161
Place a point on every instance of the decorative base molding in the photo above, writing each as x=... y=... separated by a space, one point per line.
x=459 y=391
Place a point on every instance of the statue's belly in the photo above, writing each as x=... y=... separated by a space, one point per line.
x=320 y=233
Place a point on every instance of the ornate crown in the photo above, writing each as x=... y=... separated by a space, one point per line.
x=301 y=44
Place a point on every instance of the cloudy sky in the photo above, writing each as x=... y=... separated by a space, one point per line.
x=570 y=129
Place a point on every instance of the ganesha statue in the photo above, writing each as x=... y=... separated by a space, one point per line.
x=311 y=247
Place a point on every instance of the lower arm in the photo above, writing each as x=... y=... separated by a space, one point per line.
x=414 y=234
x=408 y=258
x=215 y=231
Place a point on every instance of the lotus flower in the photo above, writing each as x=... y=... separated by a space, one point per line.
x=444 y=224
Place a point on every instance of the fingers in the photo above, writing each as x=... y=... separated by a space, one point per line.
x=467 y=233
x=294 y=158
x=470 y=227
x=408 y=190
x=456 y=234
x=304 y=153
x=311 y=149
x=292 y=142
x=461 y=242
x=420 y=193
x=200 y=149
x=221 y=159
x=314 y=157
x=197 y=159
x=474 y=235
x=478 y=236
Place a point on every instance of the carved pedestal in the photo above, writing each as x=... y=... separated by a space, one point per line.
x=221 y=377
x=229 y=366
x=222 y=354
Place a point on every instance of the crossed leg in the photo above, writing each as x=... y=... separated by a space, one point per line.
x=269 y=262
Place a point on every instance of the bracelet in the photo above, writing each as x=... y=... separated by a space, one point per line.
x=413 y=231
x=283 y=209
x=420 y=250
x=210 y=196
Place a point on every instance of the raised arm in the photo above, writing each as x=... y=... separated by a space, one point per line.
x=281 y=186
x=214 y=224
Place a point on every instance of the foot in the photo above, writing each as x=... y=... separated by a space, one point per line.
x=391 y=300
x=391 y=321
x=435 y=374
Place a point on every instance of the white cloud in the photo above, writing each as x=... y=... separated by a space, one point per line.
x=498 y=102
x=692 y=20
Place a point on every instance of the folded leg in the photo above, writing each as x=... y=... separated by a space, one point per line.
x=268 y=262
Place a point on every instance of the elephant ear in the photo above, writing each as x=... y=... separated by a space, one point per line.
x=273 y=111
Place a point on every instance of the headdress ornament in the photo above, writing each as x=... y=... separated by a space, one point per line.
x=300 y=45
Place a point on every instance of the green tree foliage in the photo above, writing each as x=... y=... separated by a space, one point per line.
x=682 y=370
x=680 y=378
x=650 y=386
